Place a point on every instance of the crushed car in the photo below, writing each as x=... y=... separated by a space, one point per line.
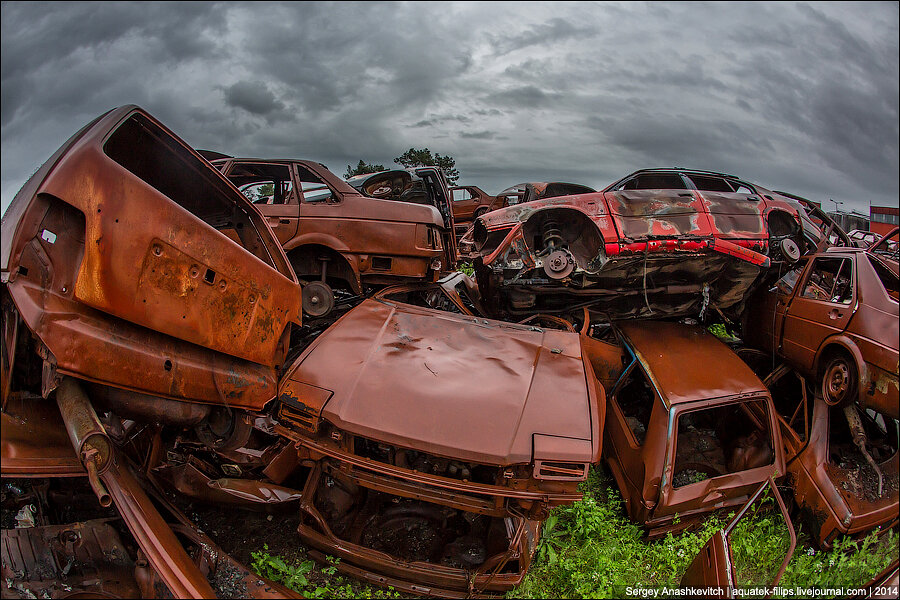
x=417 y=433
x=659 y=243
x=682 y=439
x=342 y=237
x=154 y=345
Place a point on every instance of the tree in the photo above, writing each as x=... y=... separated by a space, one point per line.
x=423 y=158
x=362 y=168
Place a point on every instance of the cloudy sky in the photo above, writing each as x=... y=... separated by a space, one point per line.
x=797 y=97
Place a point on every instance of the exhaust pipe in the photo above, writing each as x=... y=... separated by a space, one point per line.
x=162 y=549
x=87 y=434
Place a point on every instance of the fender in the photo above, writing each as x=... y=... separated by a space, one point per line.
x=315 y=237
x=847 y=344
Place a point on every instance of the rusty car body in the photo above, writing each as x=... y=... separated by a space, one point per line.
x=833 y=320
x=834 y=317
x=660 y=242
x=374 y=230
x=137 y=266
x=406 y=439
x=682 y=438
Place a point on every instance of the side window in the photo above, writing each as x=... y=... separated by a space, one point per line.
x=711 y=184
x=656 y=181
x=461 y=194
x=831 y=280
x=314 y=189
x=635 y=400
x=888 y=279
x=788 y=281
x=265 y=192
x=263 y=183
x=725 y=439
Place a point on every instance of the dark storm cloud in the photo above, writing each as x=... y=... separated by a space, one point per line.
x=802 y=97
x=252 y=96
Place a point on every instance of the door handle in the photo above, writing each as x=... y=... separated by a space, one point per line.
x=835 y=314
x=686 y=194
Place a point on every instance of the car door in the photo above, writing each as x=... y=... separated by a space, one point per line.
x=821 y=307
x=464 y=203
x=168 y=281
x=764 y=317
x=736 y=211
x=657 y=204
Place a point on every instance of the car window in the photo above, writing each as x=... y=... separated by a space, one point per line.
x=461 y=195
x=721 y=440
x=830 y=280
x=314 y=189
x=264 y=192
x=635 y=400
x=656 y=181
x=788 y=281
x=263 y=183
x=887 y=278
x=706 y=183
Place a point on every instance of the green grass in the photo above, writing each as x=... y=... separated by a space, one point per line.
x=467 y=268
x=591 y=550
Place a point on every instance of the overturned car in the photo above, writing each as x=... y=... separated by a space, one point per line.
x=153 y=341
x=660 y=243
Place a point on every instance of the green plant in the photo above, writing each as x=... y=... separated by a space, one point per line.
x=467 y=268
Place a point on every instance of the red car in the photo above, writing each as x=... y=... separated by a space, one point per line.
x=661 y=242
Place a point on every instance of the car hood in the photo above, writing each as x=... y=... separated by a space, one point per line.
x=457 y=386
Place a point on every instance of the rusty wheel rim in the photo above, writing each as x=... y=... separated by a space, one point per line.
x=837 y=382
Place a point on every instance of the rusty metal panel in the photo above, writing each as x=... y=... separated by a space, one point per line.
x=453 y=385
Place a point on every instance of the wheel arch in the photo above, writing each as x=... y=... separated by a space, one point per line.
x=304 y=260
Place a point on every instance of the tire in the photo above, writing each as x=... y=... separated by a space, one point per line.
x=478 y=212
x=840 y=380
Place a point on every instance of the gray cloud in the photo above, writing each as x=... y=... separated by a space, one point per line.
x=254 y=97
x=799 y=97
x=479 y=135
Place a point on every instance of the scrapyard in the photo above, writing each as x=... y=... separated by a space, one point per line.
x=262 y=335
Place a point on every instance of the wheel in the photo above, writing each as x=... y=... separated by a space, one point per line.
x=318 y=299
x=839 y=381
x=478 y=212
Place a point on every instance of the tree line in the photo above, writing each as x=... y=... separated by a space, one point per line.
x=413 y=157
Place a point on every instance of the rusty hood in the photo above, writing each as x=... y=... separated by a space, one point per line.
x=458 y=386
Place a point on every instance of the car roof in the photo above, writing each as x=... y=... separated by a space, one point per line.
x=682 y=170
x=686 y=363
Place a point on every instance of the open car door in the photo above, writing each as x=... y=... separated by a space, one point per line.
x=138 y=265
x=713 y=568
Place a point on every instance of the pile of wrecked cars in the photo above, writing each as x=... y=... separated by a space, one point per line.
x=185 y=327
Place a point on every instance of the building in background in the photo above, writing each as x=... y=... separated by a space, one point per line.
x=883 y=218
x=850 y=220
